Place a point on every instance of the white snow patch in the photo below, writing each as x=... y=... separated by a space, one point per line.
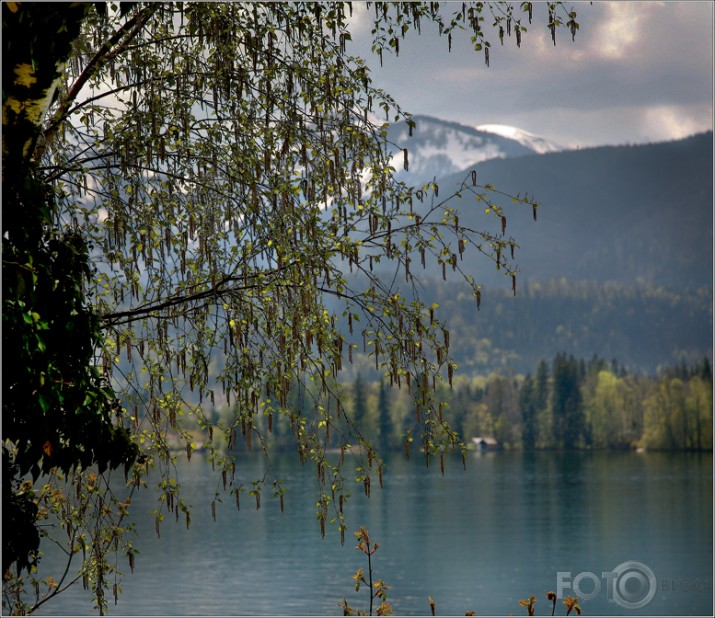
x=446 y=143
x=536 y=143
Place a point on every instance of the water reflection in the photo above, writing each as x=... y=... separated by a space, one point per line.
x=476 y=540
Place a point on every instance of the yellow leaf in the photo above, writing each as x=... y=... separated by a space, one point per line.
x=25 y=75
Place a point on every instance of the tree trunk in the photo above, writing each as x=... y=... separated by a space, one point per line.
x=37 y=39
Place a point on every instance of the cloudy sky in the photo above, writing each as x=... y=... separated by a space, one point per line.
x=637 y=72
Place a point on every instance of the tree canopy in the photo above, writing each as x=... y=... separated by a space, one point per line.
x=201 y=222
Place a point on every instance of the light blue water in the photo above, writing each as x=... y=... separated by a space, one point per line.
x=476 y=540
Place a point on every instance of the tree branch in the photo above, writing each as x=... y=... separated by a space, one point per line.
x=109 y=50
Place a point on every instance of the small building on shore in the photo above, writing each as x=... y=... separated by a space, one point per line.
x=486 y=443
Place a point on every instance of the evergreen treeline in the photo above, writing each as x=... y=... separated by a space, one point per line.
x=565 y=404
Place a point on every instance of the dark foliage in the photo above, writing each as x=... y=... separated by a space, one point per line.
x=57 y=408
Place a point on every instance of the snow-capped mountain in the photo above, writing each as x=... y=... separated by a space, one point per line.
x=536 y=143
x=440 y=147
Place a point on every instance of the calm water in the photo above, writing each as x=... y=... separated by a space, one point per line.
x=476 y=540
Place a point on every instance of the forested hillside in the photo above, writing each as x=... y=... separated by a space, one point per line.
x=643 y=327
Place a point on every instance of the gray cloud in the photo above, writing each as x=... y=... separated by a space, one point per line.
x=637 y=71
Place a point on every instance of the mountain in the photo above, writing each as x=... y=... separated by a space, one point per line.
x=632 y=214
x=619 y=262
x=439 y=147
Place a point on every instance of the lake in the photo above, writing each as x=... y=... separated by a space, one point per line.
x=512 y=525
